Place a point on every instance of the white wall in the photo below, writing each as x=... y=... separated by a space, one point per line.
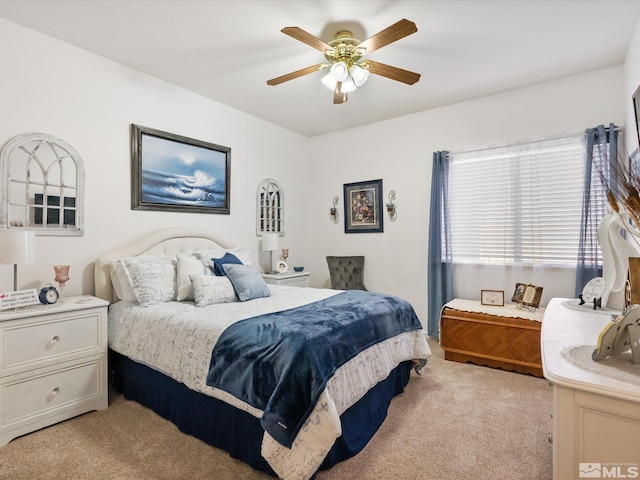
x=49 y=86
x=400 y=152
x=52 y=87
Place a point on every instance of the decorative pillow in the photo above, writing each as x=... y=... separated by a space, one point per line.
x=120 y=282
x=153 y=279
x=229 y=258
x=247 y=282
x=188 y=265
x=209 y=289
x=207 y=256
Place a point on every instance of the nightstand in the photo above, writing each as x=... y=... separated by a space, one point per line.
x=292 y=279
x=53 y=364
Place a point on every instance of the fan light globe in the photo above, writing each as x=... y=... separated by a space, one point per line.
x=359 y=75
x=339 y=71
x=348 y=85
x=329 y=81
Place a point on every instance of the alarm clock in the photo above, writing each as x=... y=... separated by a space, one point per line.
x=48 y=295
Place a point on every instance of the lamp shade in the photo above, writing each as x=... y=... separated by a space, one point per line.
x=17 y=246
x=269 y=241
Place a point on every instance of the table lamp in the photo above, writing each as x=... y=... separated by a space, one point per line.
x=17 y=246
x=270 y=244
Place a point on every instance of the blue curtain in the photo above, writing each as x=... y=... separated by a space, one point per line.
x=596 y=152
x=440 y=261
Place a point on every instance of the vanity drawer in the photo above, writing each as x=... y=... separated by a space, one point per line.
x=54 y=337
x=30 y=396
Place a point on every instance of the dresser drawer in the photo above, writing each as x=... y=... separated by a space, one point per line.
x=27 y=345
x=28 y=397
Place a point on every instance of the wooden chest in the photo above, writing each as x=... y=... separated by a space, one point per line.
x=500 y=337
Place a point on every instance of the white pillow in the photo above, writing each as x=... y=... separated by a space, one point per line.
x=120 y=282
x=153 y=279
x=188 y=265
x=210 y=289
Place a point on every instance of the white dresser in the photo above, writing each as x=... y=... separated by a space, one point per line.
x=596 y=417
x=53 y=364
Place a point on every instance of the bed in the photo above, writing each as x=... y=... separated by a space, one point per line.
x=180 y=355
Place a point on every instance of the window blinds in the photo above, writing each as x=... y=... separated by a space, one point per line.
x=519 y=205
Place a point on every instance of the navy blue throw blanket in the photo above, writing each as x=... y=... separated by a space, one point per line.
x=280 y=362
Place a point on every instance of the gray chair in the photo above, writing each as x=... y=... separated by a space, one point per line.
x=347 y=273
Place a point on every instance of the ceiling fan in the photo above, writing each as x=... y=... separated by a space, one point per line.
x=346 y=71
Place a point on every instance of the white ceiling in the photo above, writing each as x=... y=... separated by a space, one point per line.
x=226 y=50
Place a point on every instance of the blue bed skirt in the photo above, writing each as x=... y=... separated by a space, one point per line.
x=211 y=420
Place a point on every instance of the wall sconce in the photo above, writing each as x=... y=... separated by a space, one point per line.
x=391 y=207
x=333 y=211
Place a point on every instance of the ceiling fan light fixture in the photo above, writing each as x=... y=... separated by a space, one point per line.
x=359 y=74
x=329 y=81
x=348 y=85
x=339 y=71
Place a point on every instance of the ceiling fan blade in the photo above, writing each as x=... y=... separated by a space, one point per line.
x=296 y=74
x=391 y=34
x=306 y=37
x=338 y=95
x=394 y=73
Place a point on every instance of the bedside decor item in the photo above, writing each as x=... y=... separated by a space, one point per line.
x=48 y=295
x=173 y=173
x=285 y=253
x=391 y=207
x=283 y=267
x=270 y=244
x=363 y=207
x=492 y=297
x=17 y=299
x=527 y=296
x=298 y=269
x=333 y=211
x=17 y=246
x=62 y=276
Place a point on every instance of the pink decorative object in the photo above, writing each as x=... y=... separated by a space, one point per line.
x=62 y=275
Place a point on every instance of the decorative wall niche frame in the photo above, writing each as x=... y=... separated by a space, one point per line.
x=178 y=174
x=42 y=185
x=269 y=207
x=363 y=207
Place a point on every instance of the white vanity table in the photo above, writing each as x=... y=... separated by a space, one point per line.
x=596 y=417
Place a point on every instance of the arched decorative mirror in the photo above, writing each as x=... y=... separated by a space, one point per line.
x=270 y=207
x=42 y=185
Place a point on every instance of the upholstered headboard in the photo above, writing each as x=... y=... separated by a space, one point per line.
x=165 y=242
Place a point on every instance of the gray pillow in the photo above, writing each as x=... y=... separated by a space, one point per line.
x=247 y=281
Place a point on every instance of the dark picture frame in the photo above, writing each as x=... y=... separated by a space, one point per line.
x=173 y=173
x=363 y=207
x=636 y=110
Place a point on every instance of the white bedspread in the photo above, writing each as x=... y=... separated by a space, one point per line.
x=177 y=338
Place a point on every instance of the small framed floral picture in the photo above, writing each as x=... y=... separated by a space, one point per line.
x=363 y=207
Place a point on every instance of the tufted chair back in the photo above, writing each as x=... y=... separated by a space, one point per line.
x=347 y=273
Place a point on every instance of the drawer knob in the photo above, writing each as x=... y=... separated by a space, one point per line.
x=53 y=393
x=53 y=341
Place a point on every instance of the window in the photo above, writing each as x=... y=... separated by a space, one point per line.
x=270 y=207
x=519 y=205
x=42 y=185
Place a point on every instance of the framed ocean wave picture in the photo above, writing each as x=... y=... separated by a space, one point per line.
x=178 y=174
